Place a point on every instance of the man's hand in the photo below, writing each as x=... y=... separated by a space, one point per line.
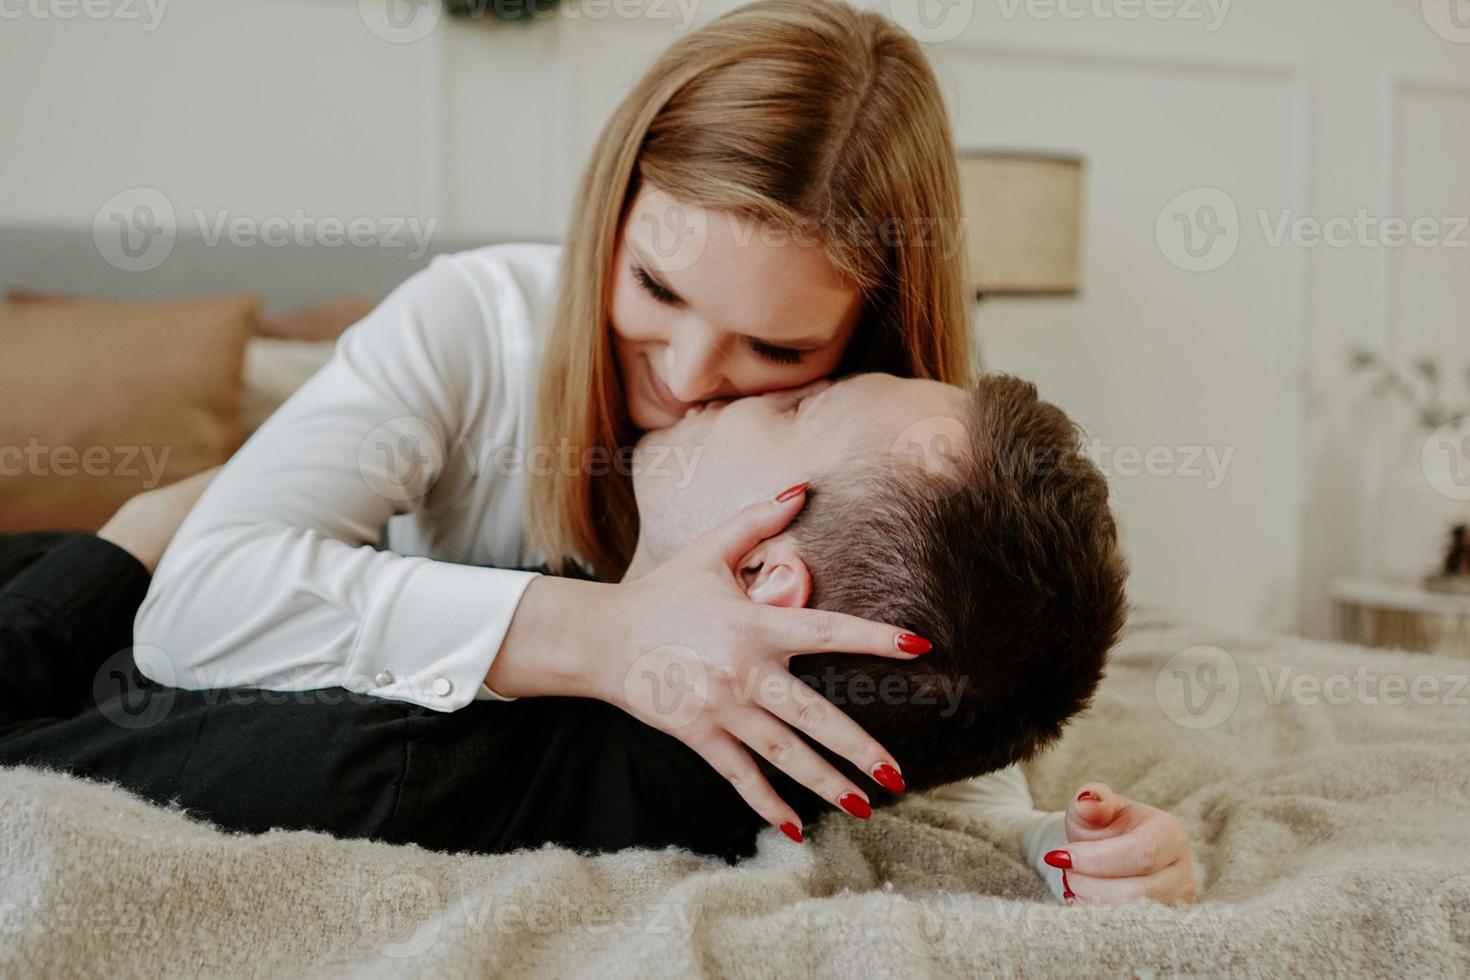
x=1121 y=850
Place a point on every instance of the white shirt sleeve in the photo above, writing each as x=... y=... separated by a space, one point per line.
x=1004 y=799
x=276 y=580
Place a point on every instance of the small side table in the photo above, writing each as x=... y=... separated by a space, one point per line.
x=1400 y=616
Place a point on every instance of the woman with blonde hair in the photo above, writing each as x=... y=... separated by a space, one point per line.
x=773 y=203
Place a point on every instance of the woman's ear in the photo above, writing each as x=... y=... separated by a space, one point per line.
x=774 y=574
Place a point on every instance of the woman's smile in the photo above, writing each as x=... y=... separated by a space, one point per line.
x=661 y=393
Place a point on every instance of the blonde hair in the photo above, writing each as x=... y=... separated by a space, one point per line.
x=804 y=114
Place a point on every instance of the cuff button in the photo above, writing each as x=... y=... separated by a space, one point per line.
x=442 y=687
x=383 y=678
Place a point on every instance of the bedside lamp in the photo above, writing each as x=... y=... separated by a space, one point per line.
x=1023 y=232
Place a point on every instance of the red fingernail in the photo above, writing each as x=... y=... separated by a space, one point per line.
x=855 y=805
x=887 y=777
x=1088 y=794
x=791 y=830
x=1068 y=895
x=790 y=492
x=909 y=643
x=1058 y=859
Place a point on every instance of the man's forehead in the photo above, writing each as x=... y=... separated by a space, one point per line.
x=878 y=416
x=886 y=397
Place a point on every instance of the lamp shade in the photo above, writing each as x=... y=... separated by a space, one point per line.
x=1023 y=222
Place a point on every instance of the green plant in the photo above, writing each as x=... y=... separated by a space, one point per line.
x=1420 y=386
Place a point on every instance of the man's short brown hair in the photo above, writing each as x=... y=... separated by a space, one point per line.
x=1007 y=561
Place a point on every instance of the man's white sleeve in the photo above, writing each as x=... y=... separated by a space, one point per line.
x=1004 y=798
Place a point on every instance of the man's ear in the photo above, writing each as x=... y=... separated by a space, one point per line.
x=774 y=574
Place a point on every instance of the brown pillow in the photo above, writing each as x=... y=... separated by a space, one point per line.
x=324 y=321
x=100 y=400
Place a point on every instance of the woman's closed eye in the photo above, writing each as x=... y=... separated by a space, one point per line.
x=775 y=354
x=655 y=288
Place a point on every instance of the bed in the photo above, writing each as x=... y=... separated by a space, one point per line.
x=1325 y=789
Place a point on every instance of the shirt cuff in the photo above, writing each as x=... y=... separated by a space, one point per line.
x=1004 y=799
x=432 y=633
x=1047 y=833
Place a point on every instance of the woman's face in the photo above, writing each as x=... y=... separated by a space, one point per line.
x=708 y=305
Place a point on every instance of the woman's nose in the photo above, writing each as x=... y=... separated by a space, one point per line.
x=696 y=372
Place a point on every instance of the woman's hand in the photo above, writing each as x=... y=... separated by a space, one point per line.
x=1121 y=850
x=708 y=665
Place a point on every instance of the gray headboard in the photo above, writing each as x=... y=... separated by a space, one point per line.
x=286 y=277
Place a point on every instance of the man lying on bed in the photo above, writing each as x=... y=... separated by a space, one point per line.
x=1005 y=553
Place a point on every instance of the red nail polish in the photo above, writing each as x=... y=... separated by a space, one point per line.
x=888 y=777
x=909 y=643
x=1068 y=895
x=855 y=805
x=790 y=492
x=1058 y=859
x=791 y=830
x=1088 y=794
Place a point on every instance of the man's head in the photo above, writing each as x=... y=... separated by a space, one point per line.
x=969 y=517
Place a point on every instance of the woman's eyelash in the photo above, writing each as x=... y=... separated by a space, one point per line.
x=774 y=354
x=660 y=292
x=653 y=287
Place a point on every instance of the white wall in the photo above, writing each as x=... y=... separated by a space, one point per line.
x=1323 y=107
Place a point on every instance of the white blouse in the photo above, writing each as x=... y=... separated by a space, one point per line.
x=339 y=546
x=408 y=439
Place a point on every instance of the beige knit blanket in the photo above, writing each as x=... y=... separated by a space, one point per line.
x=1326 y=789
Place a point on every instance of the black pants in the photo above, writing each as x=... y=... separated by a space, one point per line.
x=491 y=777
